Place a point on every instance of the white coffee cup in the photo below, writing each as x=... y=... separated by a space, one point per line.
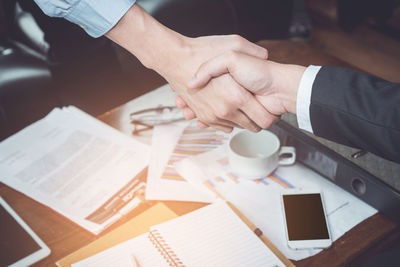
x=256 y=155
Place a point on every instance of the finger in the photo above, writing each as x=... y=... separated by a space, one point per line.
x=245 y=122
x=242 y=45
x=227 y=123
x=222 y=128
x=179 y=102
x=222 y=123
x=188 y=113
x=219 y=123
x=202 y=125
x=258 y=113
x=231 y=112
x=213 y=68
x=234 y=119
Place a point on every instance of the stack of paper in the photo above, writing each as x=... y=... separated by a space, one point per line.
x=76 y=165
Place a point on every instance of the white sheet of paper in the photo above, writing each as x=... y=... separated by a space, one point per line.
x=74 y=164
x=260 y=200
x=165 y=138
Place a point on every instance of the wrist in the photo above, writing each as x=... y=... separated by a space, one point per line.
x=152 y=43
x=285 y=81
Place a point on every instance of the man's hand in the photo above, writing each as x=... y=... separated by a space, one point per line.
x=177 y=58
x=275 y=85
x=222 y=103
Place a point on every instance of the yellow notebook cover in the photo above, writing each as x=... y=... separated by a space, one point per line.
x=136 y=226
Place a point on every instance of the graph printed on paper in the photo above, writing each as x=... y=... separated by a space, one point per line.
x=193 y=141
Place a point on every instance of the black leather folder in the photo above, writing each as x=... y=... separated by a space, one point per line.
x=365 y=175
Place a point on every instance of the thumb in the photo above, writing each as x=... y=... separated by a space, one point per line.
x=213 y=68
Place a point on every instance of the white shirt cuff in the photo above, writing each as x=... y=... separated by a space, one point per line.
x=304 y=98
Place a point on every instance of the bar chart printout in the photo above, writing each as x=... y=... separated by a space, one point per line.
x=193 y=141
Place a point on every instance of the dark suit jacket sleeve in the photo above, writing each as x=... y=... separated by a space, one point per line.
x=357 y=109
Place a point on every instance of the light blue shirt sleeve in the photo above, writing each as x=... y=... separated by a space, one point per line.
x=96 y=17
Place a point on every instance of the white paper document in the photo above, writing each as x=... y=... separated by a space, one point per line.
x=77 y=166
x=172 y=143
x=259 y=200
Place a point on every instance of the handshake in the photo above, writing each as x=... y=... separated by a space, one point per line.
x=239 y=88
x=224 y=81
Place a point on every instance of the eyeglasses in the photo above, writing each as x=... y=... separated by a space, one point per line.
x=146 y=119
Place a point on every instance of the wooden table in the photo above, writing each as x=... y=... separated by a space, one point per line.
x=64 y=237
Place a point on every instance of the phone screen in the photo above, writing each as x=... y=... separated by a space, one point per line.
x=305 y=218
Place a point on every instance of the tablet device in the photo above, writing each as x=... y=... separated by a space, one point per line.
x=19 y=245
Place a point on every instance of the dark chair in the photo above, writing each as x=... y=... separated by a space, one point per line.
x=25 y=80
x=25 y=90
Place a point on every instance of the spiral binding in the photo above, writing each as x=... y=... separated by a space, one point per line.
x=164 y=249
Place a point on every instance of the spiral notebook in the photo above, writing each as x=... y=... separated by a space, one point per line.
x=211 y=236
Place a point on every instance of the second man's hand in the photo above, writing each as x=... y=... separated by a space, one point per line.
x=274 y=85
